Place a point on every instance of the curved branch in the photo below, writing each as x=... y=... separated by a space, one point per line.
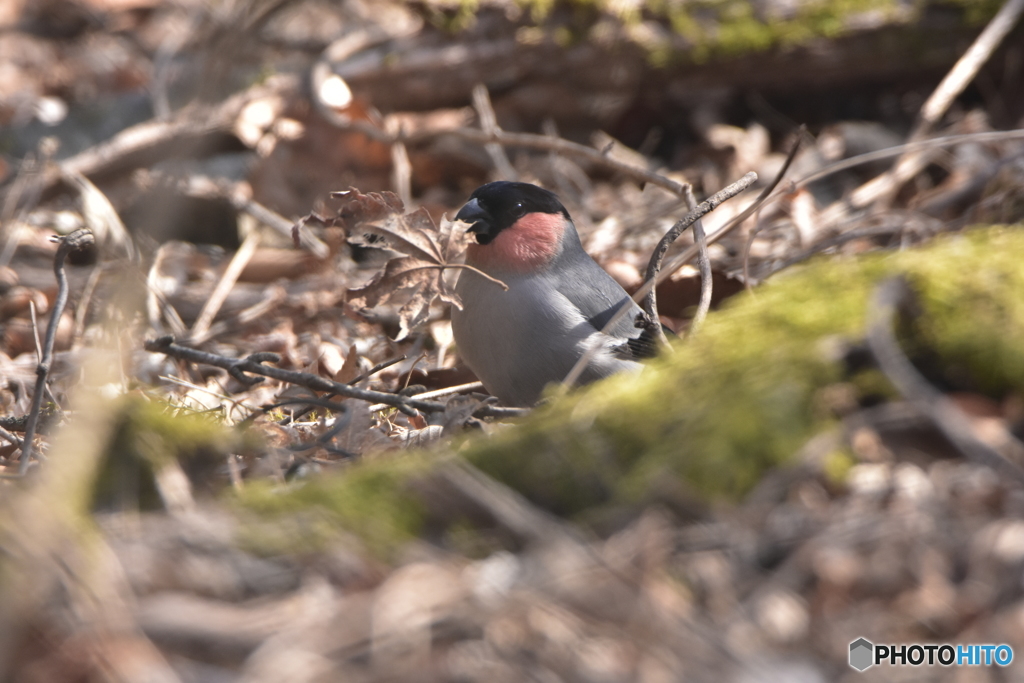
x=79 y=239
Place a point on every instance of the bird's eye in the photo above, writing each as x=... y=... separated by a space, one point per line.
x=518 y=210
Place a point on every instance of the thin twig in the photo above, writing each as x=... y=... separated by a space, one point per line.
x=885 y=186
x=383 y=365
x=366 y=375
x=227 y=281
x=82 y=309
x=704 y=208
x=438 y=393
x=67 y=244
x=654 y=265
x=134 y=146
x=763 y=198
x=889 y=152
x=746 y=255
x=704 y=264
x=401 y=172
x=658 y=255
x=196 y=387
x=678 y=261
x=889 y=297
x=35 y=331
x=544 y=143
x=489 y=124
x=254 y=364
x=4 y=434
x=239 y=195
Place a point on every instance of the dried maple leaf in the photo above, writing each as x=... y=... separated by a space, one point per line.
x=360 y=207
x=356 y=208
x=426 y=251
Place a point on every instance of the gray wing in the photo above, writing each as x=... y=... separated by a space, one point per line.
x=600 y=298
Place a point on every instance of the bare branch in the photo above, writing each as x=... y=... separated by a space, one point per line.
x=201 y=328
x=544 y=143
x=704 y=263
x=692 y=216
x=67 y=244
x=885 y=186
x=253 y=364
x=489 y=124
x=653 y=267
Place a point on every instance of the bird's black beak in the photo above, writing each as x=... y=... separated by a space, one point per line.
x=480 y=221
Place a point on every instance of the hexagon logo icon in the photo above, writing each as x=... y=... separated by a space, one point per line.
x=861 y=651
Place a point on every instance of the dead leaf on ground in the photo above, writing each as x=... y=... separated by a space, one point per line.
x=427 y=251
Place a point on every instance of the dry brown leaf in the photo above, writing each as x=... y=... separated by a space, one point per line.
x=359 y=207
x=426 y=249
x=360 y=435
x=350 y=369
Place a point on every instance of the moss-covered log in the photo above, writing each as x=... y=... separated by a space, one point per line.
x=740 y=398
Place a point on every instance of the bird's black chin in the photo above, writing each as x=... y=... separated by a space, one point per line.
x=482 y=233
x=481 y=223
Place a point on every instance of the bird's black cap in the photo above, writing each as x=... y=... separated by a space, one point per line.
x=496 y=206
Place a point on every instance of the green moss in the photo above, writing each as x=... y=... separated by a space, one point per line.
x=732 y=27
x=373 y=500
x=159 y=432
x=148 y=435
x=837 y=465
x=708 y=29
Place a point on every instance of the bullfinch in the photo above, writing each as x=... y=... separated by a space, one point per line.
x=558 y=298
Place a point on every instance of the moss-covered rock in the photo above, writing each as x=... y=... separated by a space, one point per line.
x=738 y=399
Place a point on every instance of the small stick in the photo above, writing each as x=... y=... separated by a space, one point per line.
x=239 y=194
x=888 y=152
x=438 y=393
x=746 y=256
x=401 y=172
x=254 y=364
x=460 y=266
x=82 y=309
x=763 y=198
x=227 y=281
x=704 y=263
x=35 y=331
x=73 y=242
x=650 y=304
x=489 y=124
x=706 y=207
x=383 y=365
x=890 y=296
x=963 y=72
x=196 y=387
x=10 y=437
x=545 y=143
